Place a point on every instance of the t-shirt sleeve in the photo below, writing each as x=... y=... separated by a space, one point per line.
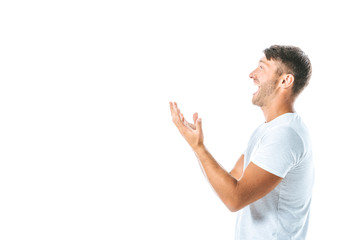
x=279 y=150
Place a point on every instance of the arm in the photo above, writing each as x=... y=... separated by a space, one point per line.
x=237 y=171
x=236 y=194
x=255 y=182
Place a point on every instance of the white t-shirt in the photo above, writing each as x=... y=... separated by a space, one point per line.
x=281 y=147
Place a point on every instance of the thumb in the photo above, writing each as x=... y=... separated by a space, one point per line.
x=199 y=124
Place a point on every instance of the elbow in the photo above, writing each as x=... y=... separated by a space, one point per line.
x=234 y=208
x=234 y=205
x=237 y=200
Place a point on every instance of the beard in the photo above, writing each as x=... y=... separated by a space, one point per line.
x=263 y=96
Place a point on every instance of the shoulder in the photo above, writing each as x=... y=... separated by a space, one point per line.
x=282 y=133
x=288 y=127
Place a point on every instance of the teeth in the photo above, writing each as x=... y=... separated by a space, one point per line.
x=256 y=87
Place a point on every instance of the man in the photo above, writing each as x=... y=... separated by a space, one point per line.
x=272 y=180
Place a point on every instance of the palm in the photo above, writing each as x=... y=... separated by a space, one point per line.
x=186 y=123
x=192 y=132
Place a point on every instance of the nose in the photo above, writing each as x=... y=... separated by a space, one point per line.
x=252 y=74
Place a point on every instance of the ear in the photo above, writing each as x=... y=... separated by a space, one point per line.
x=287 y=81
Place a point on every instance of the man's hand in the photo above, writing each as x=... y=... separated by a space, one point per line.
x=191 y=132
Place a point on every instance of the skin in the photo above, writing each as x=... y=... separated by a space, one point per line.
x=240 y=188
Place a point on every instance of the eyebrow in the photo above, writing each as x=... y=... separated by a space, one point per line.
x=261 y=61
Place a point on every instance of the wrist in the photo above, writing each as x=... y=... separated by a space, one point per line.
x=200 y=149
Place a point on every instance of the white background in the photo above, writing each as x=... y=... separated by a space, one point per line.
x=87 y=146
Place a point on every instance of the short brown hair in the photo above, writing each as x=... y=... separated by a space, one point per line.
x=292 y=61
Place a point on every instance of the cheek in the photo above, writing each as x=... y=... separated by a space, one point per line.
x=265 y=78
x=262 y=80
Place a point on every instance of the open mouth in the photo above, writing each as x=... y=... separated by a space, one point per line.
x=257 y=88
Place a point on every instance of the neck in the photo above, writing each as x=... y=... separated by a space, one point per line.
x=276 y=108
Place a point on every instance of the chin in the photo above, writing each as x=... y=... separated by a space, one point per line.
x=254 y=101
x=257 y=103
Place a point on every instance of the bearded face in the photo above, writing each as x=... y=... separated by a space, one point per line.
x=265 y=79
x=264 y=92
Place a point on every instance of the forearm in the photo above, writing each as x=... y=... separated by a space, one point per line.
x=222 y=182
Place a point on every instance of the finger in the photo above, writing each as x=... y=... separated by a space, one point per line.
x=177 y=108
x=173 y=112
x=172 y=109
x=195 y=116
x=178 y=118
